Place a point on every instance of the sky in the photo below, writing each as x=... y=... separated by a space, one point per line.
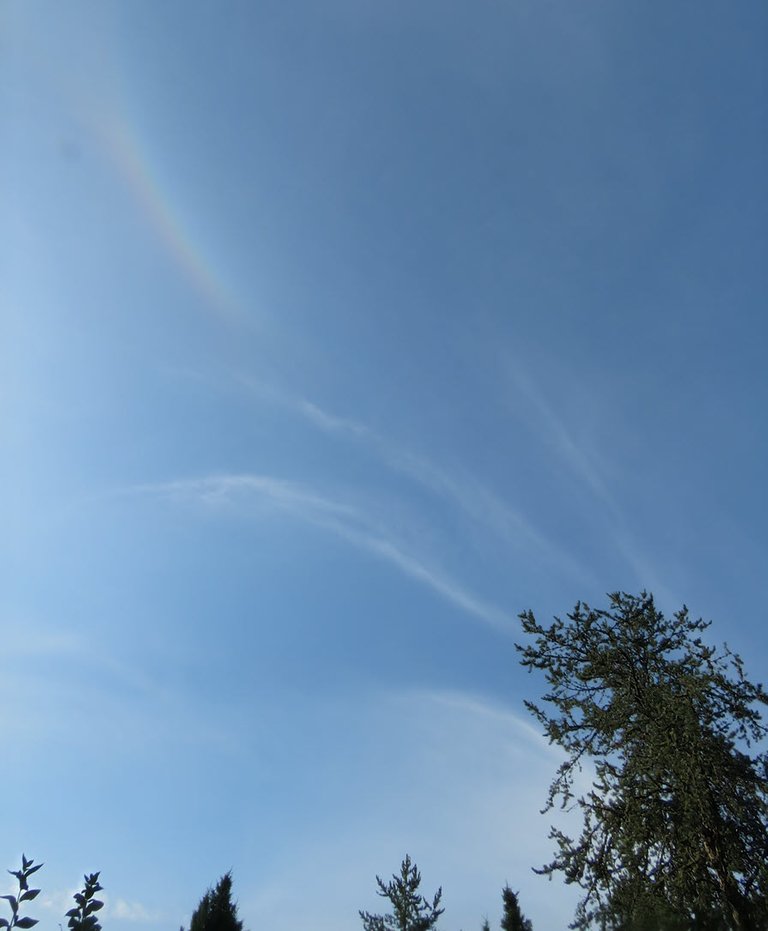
x=334 y=336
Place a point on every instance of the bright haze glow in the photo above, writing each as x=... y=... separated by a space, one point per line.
x=336 y=334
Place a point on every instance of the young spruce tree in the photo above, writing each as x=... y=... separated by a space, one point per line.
x=217 y=911
x=513 y=919
x=410 y=910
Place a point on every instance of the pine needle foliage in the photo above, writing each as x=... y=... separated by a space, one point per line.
x=513 y=919
x=410 y=910
x=675 y=824
x=217 y=911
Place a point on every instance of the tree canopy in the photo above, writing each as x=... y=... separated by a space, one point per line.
x=217 y=911
x=675 y=824
x=410 y=910
x=513 y=918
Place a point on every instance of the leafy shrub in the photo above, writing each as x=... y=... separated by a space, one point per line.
x=81 y=918
x=25 y=894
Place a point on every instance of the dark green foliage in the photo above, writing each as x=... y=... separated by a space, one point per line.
x=83 y=917
x=25 y=894
x=513 y=919
x=652 y=914
x=217 y=911
x=410 y=910
x=675 y=831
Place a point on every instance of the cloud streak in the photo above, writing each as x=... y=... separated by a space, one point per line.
x=578 y=460
x=465 y=493
x=585 y=465
x=60 y=901
x=131 y=911
x=346 y=521
x=461 y=819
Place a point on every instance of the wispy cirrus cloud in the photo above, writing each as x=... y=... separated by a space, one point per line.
x=24 y=641
x=578 y=459
x=590 y=468
x=331 y=423
x=59 y=902
x=221 y=489
x=132 y=911
x=477 y=775
x=437 y=581
x=471 y=497
x=346 y=521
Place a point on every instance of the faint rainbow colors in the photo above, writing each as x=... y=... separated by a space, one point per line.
x=129 y=155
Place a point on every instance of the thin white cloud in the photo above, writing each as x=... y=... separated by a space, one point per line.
x=470 y=704
x=55 y=703
x=346 y=521
x=26 y=640
x=585 y=464
x=131 y=911
x=477 y=501
x=220 y=490
x=60 y=902
x=483 y=506
x=438 y=582
x=577 y=458
x=476 y=774
x=487 y=509
x=329 y=422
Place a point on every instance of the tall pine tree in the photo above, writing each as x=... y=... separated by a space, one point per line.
x=675 y=824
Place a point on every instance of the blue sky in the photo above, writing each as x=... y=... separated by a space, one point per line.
x=334 y=336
